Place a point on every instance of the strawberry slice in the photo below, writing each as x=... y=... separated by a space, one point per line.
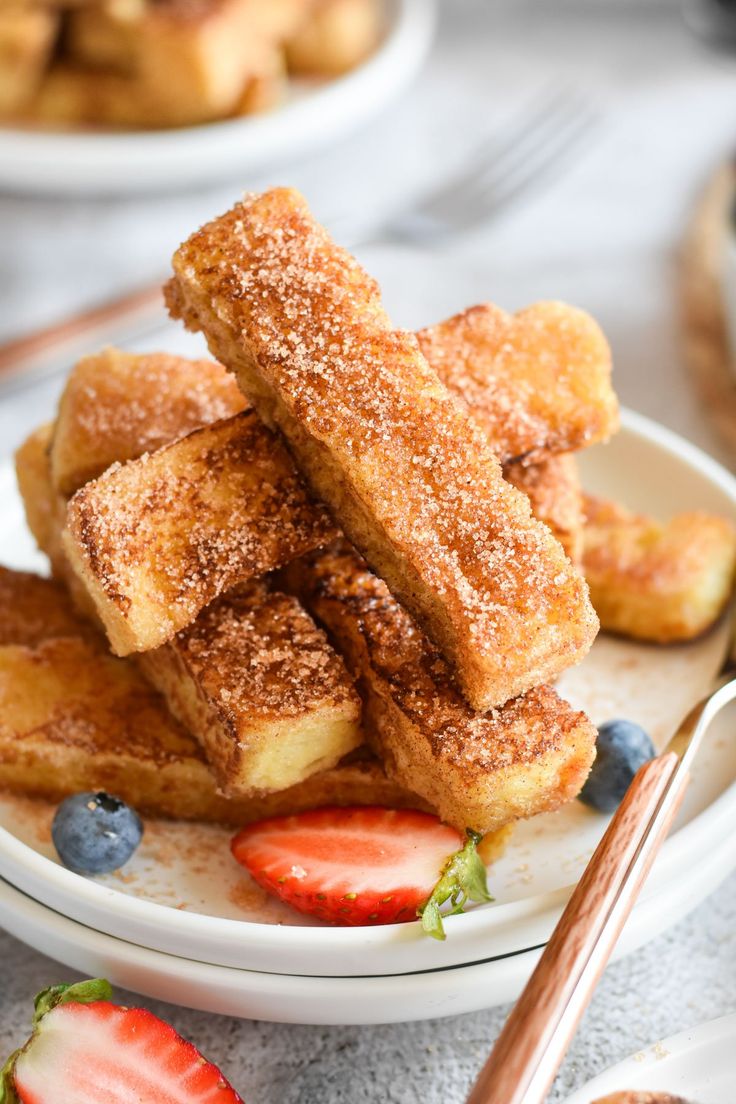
x=86 y=1050
x=364 y=865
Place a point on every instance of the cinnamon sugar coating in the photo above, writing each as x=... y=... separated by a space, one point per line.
x=554 y=492
x=157 y=539
x=408 y=476
x=538 y=381
x=256 y=681
x=116 y=405
x=253 y=678
x=654 y=581
x=480 y=770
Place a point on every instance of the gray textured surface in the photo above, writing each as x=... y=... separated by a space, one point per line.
x=684 y=977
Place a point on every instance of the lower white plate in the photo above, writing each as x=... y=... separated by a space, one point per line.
x=286 y=998
x=699 y=1064
x=183 y=893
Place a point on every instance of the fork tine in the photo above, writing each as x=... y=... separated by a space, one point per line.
x=497 y=149
x=542 y=170
x=494 y=173
x=540 y=114
x=504 y=166
x=490 y=187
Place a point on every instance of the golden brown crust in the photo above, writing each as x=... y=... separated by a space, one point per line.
x=33 y=610
x=159 y=538
x=337 y=36
x=553 y=489
x=117 y=405
x=27 y=36
x=256 y=681
x=74 y=718
x=410 y=479
x=44 y=508
x=480 y=770
x=653 y=581
x=538 y=381
x=46 y=513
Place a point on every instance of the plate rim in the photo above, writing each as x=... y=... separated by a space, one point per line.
x=276 y=986
x=37 y=875
x=691 y=1038
x=508 y=974
x=475 y=986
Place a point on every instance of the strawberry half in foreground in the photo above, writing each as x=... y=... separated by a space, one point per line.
x=86 y=1050
x=365 y=865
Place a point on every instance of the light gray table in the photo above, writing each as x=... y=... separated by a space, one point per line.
x=605 y=236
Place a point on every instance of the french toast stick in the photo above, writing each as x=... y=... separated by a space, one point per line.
x=252 y=678
x=161 y=64
x=653 y=581
x=74 y=718
x=336 y=36
x=555 y=494
x=256 y=681
x=407 y=475
x=538 y=381
x=479 y=770
x=157 y=539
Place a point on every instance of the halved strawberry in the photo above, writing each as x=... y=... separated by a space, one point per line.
x=364 y=865
x=85 y=1050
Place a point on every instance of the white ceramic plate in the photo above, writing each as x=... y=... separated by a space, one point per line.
x=284 y=998
x=73 y=163
x=219 y=916
x=262 y=996
x=697 y=1064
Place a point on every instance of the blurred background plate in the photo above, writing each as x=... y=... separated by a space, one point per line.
x=131 y=162
x=697 y=1064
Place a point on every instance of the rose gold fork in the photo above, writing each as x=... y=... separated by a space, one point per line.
x=538 y=1032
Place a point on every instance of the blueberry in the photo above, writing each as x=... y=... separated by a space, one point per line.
x=95 y=833
x=622 y=747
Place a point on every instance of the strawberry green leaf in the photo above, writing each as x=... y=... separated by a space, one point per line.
x=81 y=992
x=8 y=1095
x=463 y=879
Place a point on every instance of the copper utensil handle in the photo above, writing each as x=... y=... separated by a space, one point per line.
x=536 y=1036
x=24 y=354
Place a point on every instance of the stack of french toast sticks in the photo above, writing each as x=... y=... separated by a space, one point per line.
x=171 y=63
x=342 y=564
